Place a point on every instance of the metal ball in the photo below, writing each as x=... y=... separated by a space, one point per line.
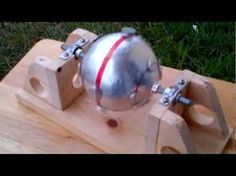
x=119 y=70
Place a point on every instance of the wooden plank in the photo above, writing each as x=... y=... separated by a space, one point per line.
x=24 y=131
x=82 y=119
x=224 y=89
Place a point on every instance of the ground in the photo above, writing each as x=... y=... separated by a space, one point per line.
x=207 y=48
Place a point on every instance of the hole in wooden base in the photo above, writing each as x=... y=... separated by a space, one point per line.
x=59 y=69
x=169 y=150
x=202 y=116
x=112 y=123
x=37 y=87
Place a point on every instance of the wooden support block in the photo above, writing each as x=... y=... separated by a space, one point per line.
x=207 y=113
x=56 y=81
x=174 y=135
x=179 y=129
x=153 y=126
x=51 y=80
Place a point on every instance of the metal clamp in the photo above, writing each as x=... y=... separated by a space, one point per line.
x=71 y=50
x=172 y=94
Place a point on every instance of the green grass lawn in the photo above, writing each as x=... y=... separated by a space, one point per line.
x=209 y=50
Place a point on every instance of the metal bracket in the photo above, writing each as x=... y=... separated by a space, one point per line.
x=71 y=50
x=172 y=94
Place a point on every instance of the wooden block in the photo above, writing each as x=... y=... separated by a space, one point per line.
x=210 y=115
x=153 y=125
x=183 y=129
x=174 y=135
x=51 y=80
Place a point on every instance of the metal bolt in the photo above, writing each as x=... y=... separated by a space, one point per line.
x=184 y=100
x=165 y=100
x=66 y=54
x=64 y=46
x=181 y=81
x=129 y=30
x=82 y=40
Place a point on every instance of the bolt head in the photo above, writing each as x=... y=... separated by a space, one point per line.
x=165 y=100
x=82 y=40
x=66 y=54
x=64 y=46
x=181 y=82
x=128 y=30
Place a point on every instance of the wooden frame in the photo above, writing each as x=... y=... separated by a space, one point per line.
x=200 y=128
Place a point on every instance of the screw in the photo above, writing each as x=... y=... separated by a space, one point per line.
x=82 y=40
x=181 y=81
x=165 y=100
x=66 y=54
x=65 y=46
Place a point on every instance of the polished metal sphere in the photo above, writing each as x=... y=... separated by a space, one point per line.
x=119 y=70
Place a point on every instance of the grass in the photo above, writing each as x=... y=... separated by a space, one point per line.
x=209 y=51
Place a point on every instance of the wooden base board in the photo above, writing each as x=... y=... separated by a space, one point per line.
x=22 y=130
x=51 y=48
x=83 y=119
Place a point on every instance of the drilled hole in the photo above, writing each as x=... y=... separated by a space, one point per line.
x=59 y=69
x=112 y=123
x=37 y=87
x=169 y=150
